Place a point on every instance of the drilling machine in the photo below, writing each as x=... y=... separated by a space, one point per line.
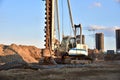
x=71 y=49
x=47 y=53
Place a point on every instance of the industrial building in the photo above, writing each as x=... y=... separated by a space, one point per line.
x=99 y=37
x=118 y=40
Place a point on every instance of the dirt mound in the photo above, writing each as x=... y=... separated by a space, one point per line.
x=13 y=52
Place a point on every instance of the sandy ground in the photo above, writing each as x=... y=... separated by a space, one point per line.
x=109 y=70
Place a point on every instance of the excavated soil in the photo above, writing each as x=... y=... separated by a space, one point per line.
x=20 y=53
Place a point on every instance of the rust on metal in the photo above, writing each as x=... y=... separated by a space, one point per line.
x=48 y=22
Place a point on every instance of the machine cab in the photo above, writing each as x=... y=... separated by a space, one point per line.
x=67 y=43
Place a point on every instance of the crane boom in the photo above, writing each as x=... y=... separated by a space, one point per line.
x=70 y=14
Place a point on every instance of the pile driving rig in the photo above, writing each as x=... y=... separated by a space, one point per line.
x=71 y=49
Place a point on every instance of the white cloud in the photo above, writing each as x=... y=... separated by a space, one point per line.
x=117 y=1
x=115 y=27
x=108 y=31
x=96 y=4
x=96 y=27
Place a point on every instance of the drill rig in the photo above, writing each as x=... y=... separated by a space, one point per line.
x=47 y=53
x=71 y=49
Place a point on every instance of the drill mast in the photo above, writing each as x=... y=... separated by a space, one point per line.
x=49 y=28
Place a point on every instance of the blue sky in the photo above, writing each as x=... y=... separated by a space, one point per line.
x=22 y=21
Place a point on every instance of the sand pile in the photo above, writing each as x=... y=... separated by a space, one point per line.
x=13 y=52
